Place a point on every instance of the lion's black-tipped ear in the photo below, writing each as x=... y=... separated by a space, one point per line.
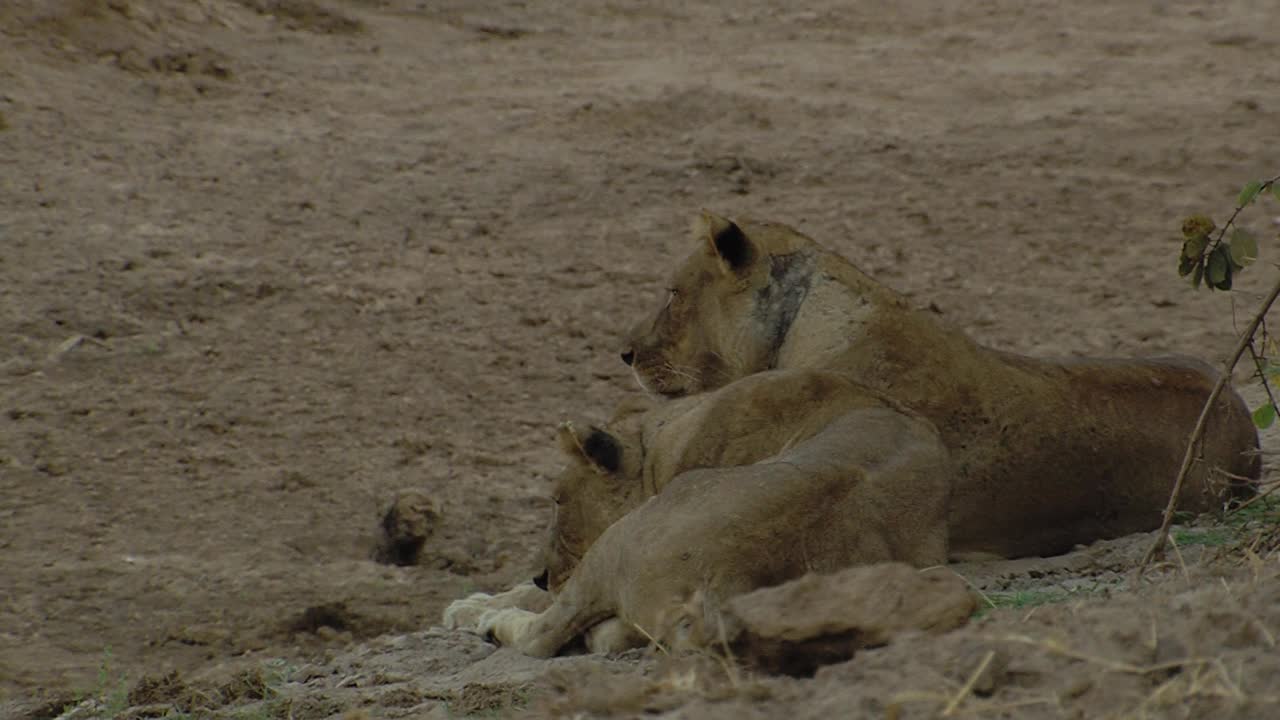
x=728 y=241
x=592 y=444
x=603 y=450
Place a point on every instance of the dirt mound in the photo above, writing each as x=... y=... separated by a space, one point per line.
x=177 y=37
x=336 y=617
x=140 y=36
x=1168 y=652
x=306 y=15
x=817 y=620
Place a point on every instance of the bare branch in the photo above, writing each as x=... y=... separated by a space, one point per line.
x=1198 y=433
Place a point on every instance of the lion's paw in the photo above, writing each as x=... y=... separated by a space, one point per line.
x=465 y=614
x=506 y=626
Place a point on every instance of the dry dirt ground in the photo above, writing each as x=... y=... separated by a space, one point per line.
x=263 y=263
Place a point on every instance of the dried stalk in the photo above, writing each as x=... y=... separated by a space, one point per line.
x=1197 y=434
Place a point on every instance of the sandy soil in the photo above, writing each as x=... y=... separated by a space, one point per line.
x=264 y=263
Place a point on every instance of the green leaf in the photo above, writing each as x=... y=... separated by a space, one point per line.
x=1197 y=275
x=1264 y=416
x=1275 y=190
x=1248 y=193
x=1244 y=247
x=1219 y=266
x=1186 y=265
x=1194 y=247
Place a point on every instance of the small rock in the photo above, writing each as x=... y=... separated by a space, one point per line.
x=466 y=228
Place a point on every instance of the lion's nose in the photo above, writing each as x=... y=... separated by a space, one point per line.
x=628 y=356
x=541 y=581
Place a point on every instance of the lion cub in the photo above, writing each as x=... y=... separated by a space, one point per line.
x=711 y=496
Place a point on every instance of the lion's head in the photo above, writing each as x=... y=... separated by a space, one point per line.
x=600 y=483
x=727 y=309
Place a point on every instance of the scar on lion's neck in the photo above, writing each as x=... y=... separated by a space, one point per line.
x=831 y=317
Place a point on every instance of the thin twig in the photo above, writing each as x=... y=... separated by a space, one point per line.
x=661 y=648
x=1057 y=648
x=1242 y=610
x=1245 y=478
x=968 y=686
x=1266 y=184
x=985 y=598
x=1255 y=498
x=1262 y=374
x=1226 y=679
x=730 y=661
x=1181 y=563
x=1198 y=432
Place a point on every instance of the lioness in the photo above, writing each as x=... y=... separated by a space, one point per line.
x=1048 y=453
x=750 y=486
